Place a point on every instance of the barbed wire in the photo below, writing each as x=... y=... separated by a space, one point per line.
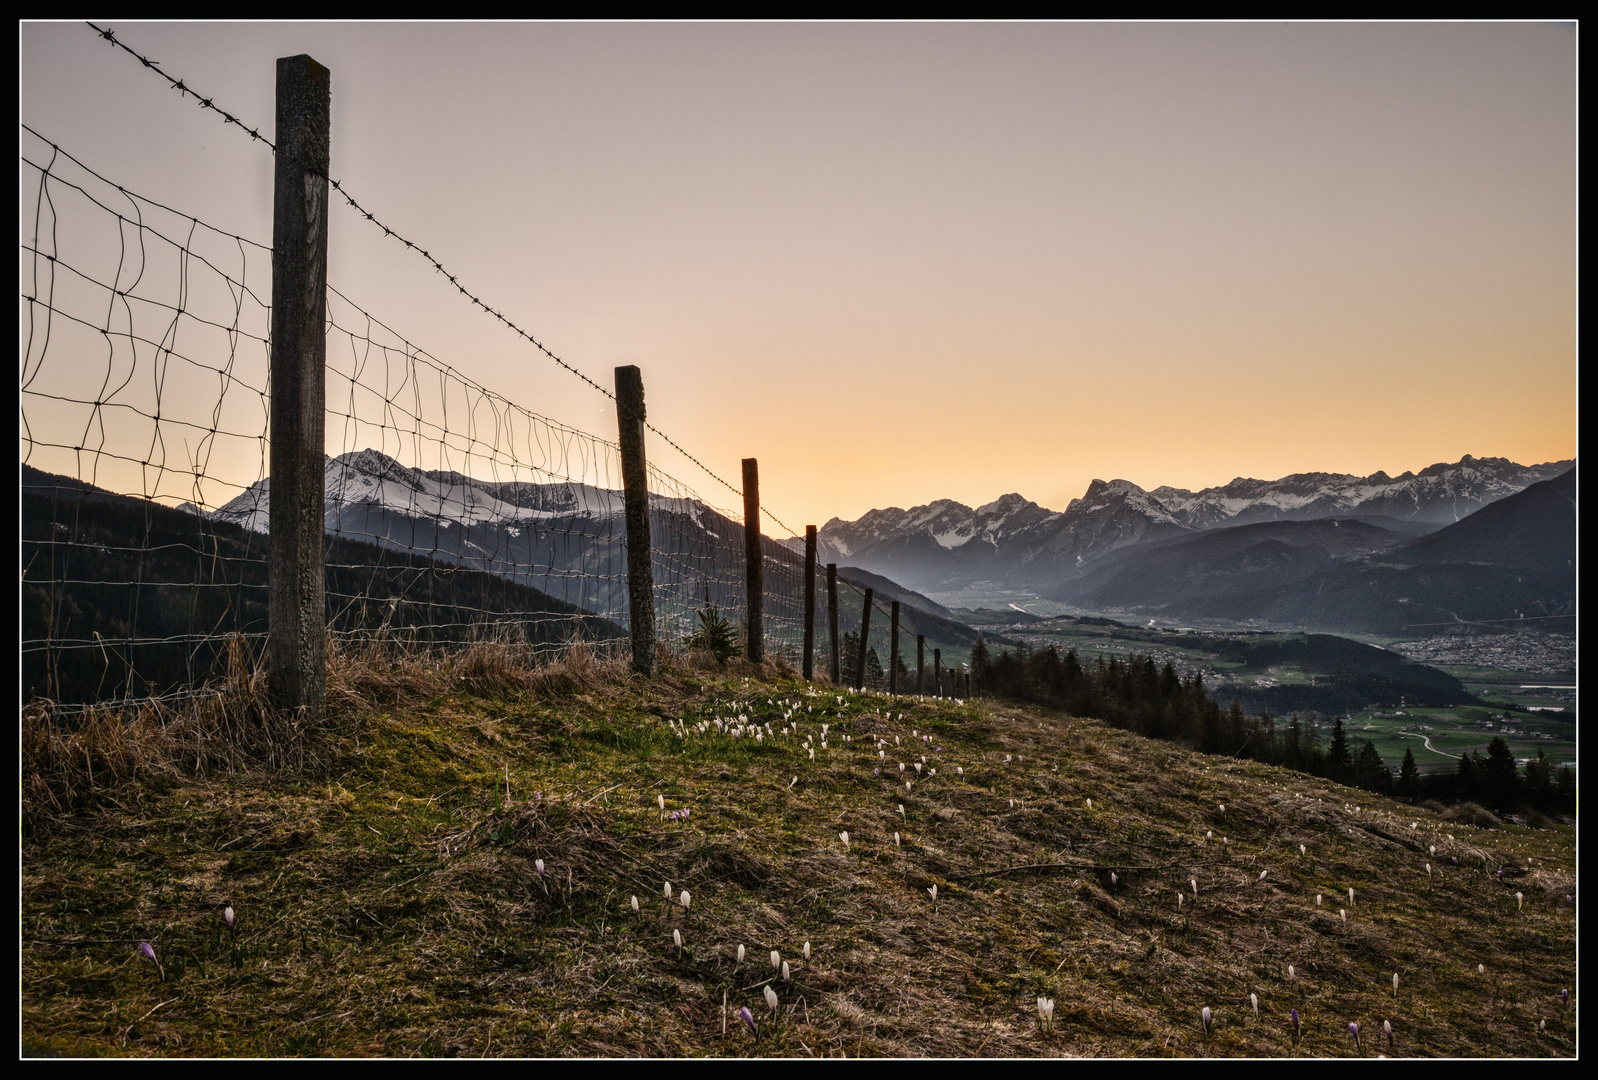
x=207 y=103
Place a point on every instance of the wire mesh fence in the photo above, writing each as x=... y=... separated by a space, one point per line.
x=451 y=512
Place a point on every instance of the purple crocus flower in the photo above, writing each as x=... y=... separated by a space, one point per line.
x=148 y=951
x=749 y=1019
x=1353 y=1029
x=1564 y=997
x=1292 y=1016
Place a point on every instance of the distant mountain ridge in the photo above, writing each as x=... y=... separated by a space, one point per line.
x=1013 y=542
x=567 y=539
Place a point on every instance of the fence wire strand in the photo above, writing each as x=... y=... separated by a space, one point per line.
x=451 y=511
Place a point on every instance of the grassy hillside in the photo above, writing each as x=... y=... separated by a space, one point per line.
x=390 y=902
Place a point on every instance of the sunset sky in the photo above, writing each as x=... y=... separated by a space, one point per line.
x=903 y=262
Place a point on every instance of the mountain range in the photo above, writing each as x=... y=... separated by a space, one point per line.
x=1248 y=550
x=568 y=540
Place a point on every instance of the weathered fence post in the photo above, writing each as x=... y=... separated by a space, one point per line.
x=921 y=661
x=635 y=495
x=832 y=622
x=893 y=650
x=754 y=563
x=865 y=631
x=937 y=672
x=810 y=601
x=297 y=597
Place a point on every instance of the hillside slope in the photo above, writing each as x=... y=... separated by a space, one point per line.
x=459 y=883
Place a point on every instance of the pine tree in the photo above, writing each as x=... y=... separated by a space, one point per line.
x=1409 y=776
x=1339 y=762
x=1500 y=778
x=1369 y=772
x=715 y=634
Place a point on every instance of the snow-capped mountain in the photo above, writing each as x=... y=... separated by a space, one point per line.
x=1438 y=495
x=562 y=537
x=371 y=479
x=945 y=546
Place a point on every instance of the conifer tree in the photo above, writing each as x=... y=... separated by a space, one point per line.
x=1409 y=776
x=1339 y=762
x=1369 y=772
x=1499 y=777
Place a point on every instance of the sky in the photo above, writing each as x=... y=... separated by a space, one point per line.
x=899 y=262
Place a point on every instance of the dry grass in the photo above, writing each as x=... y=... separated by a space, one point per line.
x=390 y=901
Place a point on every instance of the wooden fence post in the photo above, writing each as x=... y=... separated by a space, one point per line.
x=810 y=601
x=297 y=594
x=921 y=661
x=635 y=496
x=893 y=649
x=832 y=622
x=865 y=632
x=937 y=672
x=754 y=564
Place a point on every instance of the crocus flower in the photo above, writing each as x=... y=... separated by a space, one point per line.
x=1179 y=901
x=785 y=973
x=1395 y=984
x=538 y=864
x=149 y=952
x=776 y=960
x=895 y=839
x=1263 y=873
x=807 y=950
x=685 y=899
x=227 y=914
x=1114 y=881
x=1564 y=997
x=1194 y=882
x=959 y=771
x=1481 y=969
x=749 y=1021
x=1090 y=804
x=844 y=836
x=1520 y=901
x=1351 y=894
x=771 y=999
x=740 y=954
x=933 y=892
x=1045 y=1010
x=1317 y=899
x=1291 y=976
x=660 y=800
x=901 y=809
x=1254 y=1000
x=1387 y=1029
x=635 y=906
x=1223 y=808
x=668 y=892
x=1344 y=913
x=1353 y=1029
x=1205 y=1016
x=1302 y=851
x=1292 y=1016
